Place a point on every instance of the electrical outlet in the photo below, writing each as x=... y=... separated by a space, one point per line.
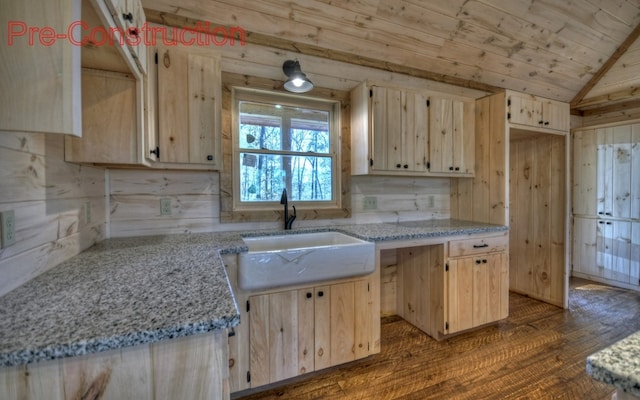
x=87 y=212
x=370 y=203
x=165 y=206
x=8 y=227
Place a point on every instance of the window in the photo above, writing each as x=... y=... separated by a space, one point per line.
x=287 y=142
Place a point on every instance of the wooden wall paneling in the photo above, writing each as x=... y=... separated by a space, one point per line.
x=541 y=192
x=621 y=179
x=48 y=197
x=585 y=152
x=342 y=323
x=306 y=325
x=559 y=212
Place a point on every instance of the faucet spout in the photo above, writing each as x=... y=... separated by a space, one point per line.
x=288 y=221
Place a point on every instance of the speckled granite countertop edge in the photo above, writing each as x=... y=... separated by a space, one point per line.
x=618 y=365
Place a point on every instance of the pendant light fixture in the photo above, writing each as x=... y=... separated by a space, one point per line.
x=298 y=81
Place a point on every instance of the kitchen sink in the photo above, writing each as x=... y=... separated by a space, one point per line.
x=285 y=260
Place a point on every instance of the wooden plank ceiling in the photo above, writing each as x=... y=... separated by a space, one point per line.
x=550 y=48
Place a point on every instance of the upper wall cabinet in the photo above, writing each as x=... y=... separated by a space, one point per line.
x=128 y=15
x=396 y=131
x=40 y=85
x=188 y=108
x=532 y=111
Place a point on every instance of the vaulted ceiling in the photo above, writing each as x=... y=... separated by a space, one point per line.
x=579 y=51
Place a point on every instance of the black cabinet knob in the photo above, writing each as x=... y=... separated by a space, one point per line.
x=406 y=166
x=320 y=293
x=309 y=295
x=450 y=168
x=398 y=165
x=546 y=123
x=127 y=17
x=457 y=168
x=478 y=261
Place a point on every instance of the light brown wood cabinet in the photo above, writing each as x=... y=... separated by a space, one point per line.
x=442 y=295
x=533 y=111
x=397 y=131
x=129 y=17
x=298 y=331
x=188 y=114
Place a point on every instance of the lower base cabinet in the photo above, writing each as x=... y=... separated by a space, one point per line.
x=448 y=288
x=298 y=331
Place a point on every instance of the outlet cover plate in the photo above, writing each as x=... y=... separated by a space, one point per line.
x=8 y=228
x=165 y=206
x=370 y=203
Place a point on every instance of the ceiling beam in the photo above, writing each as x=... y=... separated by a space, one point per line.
x=606 y=67
x=178 y=21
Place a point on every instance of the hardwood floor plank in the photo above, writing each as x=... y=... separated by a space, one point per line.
x=539 y=352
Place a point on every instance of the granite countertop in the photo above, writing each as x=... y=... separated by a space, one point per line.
x=130 y=291
x=618 y=365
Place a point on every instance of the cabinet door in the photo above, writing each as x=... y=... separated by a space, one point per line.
x=387 y=130
x=604 y=179
x=524 y=109
x=40 y=84
x=635 y=254
x=584 y=247
x=616 y=250
x=322 y=330
x=555 y=115
x=451 y=136
x=188 y=107
x=342 y=323
x=635 y=171
x=306 y=324
x=621 y=169
x=109 y=124
x=585 y=157
x=460 y=294
x=416 y=120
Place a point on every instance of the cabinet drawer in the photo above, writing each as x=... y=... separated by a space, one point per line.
x=479 y=245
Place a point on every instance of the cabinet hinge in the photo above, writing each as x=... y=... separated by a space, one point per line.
x=232 y=332
x=156 y=58
x=508 y=102
x=248 y=306
x=428 y=103
x=368 y=346
x=370 y=92
x=428 y=165
x=371 y=162
x=446 y=266
x=368 y=287
x=248 y=376
x=508 y=115
x=446 y=326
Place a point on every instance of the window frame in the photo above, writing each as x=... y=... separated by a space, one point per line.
x=286 y=100
x=273 y=213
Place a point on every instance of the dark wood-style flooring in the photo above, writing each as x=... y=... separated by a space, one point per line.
x=539 y=352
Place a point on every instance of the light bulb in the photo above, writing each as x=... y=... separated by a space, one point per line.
x=297 y=82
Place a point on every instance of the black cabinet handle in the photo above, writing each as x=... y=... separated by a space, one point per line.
x=320 y=293
x=540 y=122
x=309 y=295
x=608 y=213
x=600 y=213
x=484 y=260
x=480 y=246
x=406 y=166
x=457 y=168
x=601 y=222
x=478 y=261
x=450 y=168
x=127 y=17
x=398 y=165
x=546 y=123
x=608 y=222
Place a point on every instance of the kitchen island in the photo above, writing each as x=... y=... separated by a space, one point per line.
x=121 y=301
x=619 y=365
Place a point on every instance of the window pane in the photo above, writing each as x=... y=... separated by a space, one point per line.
x=277 y=127
x=263 y=176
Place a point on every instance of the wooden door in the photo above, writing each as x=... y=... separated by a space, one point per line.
x=441 y=128
x=555 y=115
x=621 y=171
x=306 y=334
x=460 y=294
x=634 y=267
x=342 y=323
x=585 y=157
x=490 y=288
x=322 y=326
x=635 y=171
x=188 y=107
x=617 y=237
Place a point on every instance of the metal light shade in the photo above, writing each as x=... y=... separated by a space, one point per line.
x=298 y=81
